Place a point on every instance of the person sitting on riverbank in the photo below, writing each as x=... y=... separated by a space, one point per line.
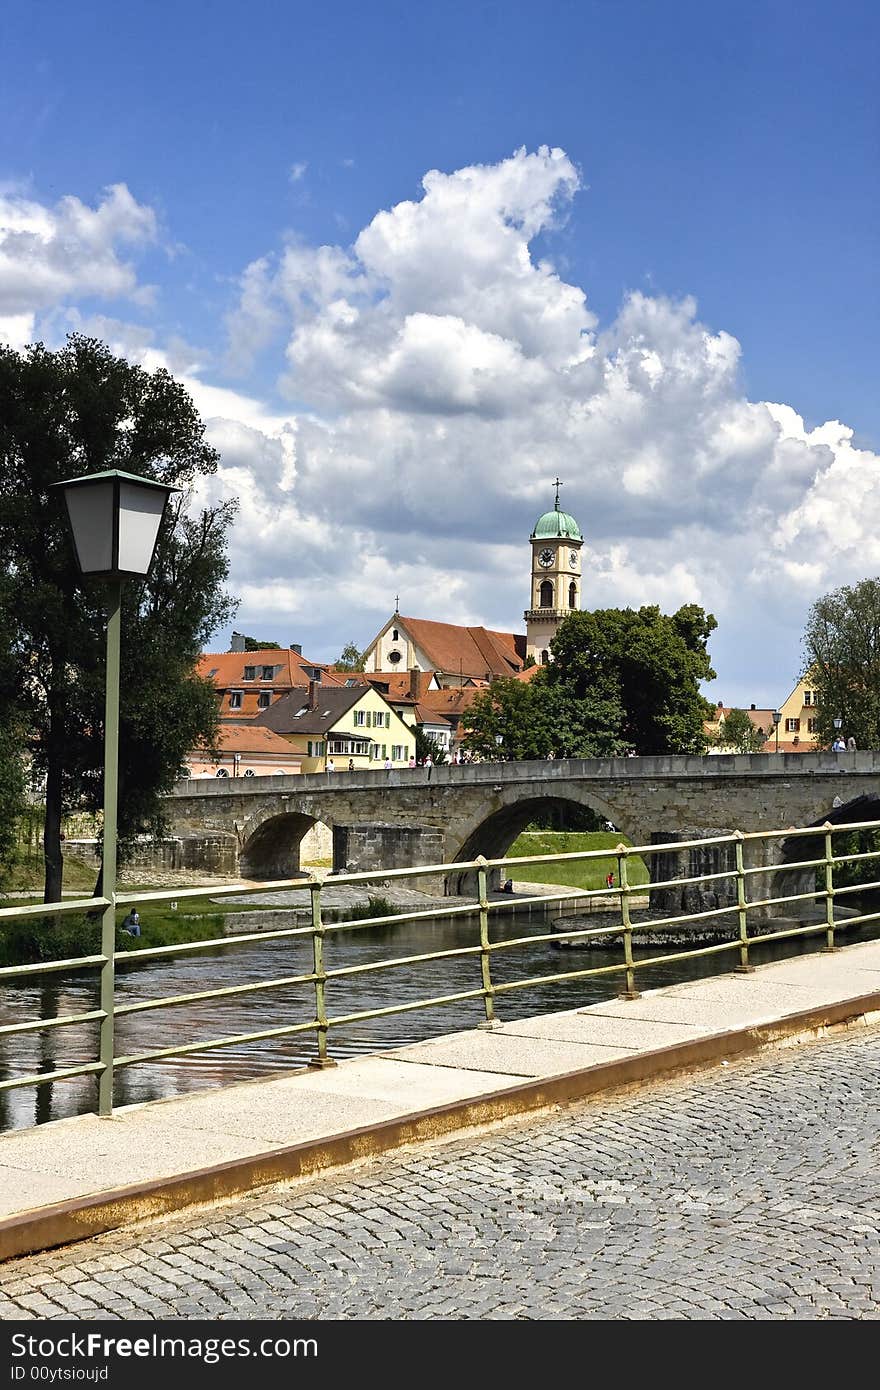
x=131 y=924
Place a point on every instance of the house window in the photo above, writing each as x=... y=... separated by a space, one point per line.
x=810 y=698
x=812 y=725
x=360 y=718
x=268 y=673
x=249 y=673
x=545 y=658
x=264 y=698
x=398 y=752
x=222 y=772
x=792 y=726
x=572 y=594
x=249 y=772
x=235 y=699
x=546 y=598
x=374 y=752
x=395 y=636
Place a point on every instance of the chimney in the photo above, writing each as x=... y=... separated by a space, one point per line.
x=313 y=694
x=296 y=647
x=237 y=642
x=752 y=706
x=414 y=683
x=721 y=704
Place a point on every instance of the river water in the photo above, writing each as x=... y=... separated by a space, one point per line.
x=52 y=996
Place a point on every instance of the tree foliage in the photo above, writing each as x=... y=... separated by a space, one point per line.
x=648 y=663
x=841 y=648
x=619 y=680
x=253 y=644
x=63 y=414
x=739 y=733
x=426 y=746
x=351 y=659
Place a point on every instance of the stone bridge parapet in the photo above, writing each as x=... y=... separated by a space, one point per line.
x=453 y=813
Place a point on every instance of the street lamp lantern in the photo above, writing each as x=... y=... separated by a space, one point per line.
x=838 y=722
x=115 y=519
x=777 y=716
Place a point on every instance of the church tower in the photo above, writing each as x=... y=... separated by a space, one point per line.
x=556 y=578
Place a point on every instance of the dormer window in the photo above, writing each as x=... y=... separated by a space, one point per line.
x=235 y=699
x=268 y=673
x=249 y=673
x=264 y=698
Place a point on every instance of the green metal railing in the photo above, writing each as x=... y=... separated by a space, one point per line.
x=741 y=911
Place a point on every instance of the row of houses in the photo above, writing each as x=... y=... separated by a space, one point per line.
x=281 y=712
x=793 y=731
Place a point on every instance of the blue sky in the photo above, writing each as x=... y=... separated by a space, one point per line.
x=726 y=153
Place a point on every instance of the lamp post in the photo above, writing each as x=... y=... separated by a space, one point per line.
x=114 y=519
x=776 y=718
x=838 y=725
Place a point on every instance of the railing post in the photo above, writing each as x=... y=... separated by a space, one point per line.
x=742 y=908
x=322 y=1060
x=108 y=852
x=490 y=1020
x=829 y=891
x=623 y=879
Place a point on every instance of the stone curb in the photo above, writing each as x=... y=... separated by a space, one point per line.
x=62 y=1223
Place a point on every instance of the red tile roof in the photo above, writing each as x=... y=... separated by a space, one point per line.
x=251 y=738
x=469 y=651
x=226 y=670
x=398 y=682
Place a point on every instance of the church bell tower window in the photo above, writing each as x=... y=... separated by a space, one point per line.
x=546 y=594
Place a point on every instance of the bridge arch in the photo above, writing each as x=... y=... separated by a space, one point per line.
x=494 y=833
x=787 y=880
x=271 y=845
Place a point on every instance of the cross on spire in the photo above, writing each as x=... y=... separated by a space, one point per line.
x=397 y=603
x=557 y=485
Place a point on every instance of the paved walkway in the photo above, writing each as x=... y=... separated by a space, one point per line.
x=746 y=1191
x=74 y=1177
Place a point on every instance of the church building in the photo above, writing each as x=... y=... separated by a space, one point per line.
x=475 y=656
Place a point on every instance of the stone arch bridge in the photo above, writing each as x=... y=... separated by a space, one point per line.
x=253 y=827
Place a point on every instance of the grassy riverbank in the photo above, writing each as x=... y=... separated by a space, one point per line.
x=586 y=873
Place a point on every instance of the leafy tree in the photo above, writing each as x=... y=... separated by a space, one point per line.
x=648 y=663
x=352 y=658
x=619 y=679
x=11 y=788
x=534 y=719
x=739 y=733
x=12 y=754
x=62 y=414
x=252 y=644
x=841 y=649
x=425 y=745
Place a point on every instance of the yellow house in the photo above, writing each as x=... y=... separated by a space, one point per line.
x=798 y=723
x=351 y=727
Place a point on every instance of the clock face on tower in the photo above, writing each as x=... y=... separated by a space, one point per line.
x=573 y=559
x=546 y=558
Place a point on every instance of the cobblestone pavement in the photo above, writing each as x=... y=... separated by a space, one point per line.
x=745 y=1191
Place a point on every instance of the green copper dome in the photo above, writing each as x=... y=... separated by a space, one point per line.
x=553 y=525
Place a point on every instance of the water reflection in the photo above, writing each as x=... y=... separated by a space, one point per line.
x=78 y=992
